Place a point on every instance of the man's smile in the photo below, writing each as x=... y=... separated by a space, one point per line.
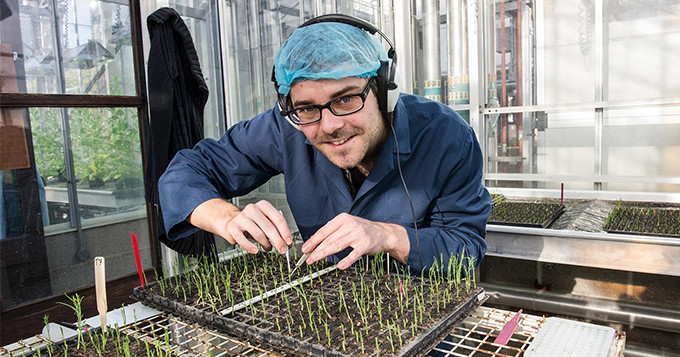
x=339 y=142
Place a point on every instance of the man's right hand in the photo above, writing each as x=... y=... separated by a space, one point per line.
x=260 y=221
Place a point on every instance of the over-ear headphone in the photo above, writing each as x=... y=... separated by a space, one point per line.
x=385 y=78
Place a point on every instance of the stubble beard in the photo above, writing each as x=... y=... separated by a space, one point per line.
x=362 y=154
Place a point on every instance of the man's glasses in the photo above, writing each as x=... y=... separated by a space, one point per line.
x=345 y=105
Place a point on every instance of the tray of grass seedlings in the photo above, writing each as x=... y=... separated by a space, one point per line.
x=109 y=342
x=323 y=311
x=641 y=220
x=526 y=214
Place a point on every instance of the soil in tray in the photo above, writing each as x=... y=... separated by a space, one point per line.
x=539 y=214
x=644 y=220
x=361 y=311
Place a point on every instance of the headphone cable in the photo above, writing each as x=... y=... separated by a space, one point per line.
x=403 y=182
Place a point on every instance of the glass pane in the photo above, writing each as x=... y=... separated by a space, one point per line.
x=48 y=147
x=112 y=241
x=107 y=164
x=107 y=161
x=456 y=44
x=636 y=29
x=107 y=168
x=84 y=49
x=257 y=33
x=431 y=52
x=565 y=58
x=548 y=143
x=511 y=52
x=642 y=142
x=542 y=54
x=25 y=274
x=255 y=37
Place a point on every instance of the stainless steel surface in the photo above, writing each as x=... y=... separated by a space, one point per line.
x=636 y=253
x=633 y=350
x=585 y=307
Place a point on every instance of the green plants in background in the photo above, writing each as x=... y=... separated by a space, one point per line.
x=105 y=145
x=47 y=143
x=539 y=214
x=107 y=148
x=638 y=219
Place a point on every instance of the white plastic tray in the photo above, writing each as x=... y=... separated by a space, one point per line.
x=561 y=338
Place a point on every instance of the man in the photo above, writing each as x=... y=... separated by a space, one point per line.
x=357 y=179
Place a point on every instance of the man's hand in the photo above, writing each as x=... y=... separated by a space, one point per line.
x=259 y=221
x=364 y=236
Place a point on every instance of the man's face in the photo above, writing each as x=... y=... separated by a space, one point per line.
x=348 y=141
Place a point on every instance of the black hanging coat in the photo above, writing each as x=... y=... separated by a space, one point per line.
x=177 y=96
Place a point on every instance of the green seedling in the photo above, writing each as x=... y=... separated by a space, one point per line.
x=76 y=306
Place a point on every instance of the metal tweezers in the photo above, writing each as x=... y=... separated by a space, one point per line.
x=301 y=261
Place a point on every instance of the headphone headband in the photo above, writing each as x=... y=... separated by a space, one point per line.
x=354 y=21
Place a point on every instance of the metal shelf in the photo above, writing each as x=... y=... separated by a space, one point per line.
x=635 y=253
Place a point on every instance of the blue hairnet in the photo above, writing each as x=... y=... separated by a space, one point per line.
x=327 y=50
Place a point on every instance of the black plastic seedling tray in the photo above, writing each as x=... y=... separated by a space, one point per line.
x=648 y=221
x=525 y=214
x=266 y=320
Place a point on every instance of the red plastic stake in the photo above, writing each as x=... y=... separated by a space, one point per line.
x=139 y=262
x=508 y=330
x=562 y=193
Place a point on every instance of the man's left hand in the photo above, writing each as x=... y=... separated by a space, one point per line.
x=364 y=236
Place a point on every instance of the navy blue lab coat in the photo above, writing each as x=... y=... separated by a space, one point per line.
x=440 y=158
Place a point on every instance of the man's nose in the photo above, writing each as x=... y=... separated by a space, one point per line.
x=330 y=122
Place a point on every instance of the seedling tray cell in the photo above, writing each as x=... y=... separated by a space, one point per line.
x=525 y=214
x=356 y=312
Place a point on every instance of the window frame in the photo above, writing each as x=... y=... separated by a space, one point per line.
x=57 y=101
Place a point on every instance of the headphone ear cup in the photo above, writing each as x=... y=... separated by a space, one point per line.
x=388 y=93
x=393 y=92
x=382 y=78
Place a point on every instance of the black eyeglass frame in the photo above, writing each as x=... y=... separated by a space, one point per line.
x=292 y=113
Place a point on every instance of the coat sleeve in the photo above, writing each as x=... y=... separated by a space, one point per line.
x=456 y=224
x=226 y=168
